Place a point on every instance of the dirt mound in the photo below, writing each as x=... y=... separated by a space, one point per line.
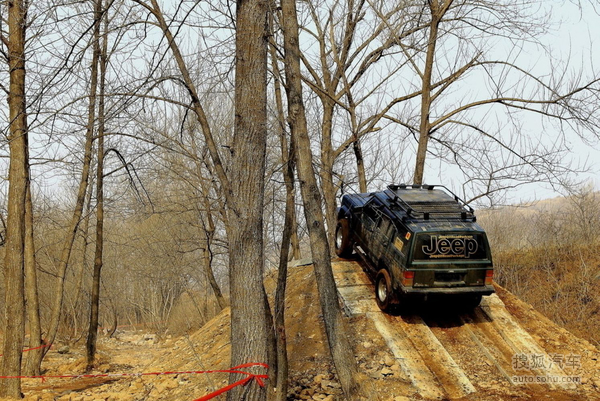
x=483 y=354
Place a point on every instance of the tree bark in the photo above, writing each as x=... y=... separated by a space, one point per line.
x=34 y=357
x=249 y=338
x=18 y=175
x=335 y=327
x=92 y=334
x=327 y=163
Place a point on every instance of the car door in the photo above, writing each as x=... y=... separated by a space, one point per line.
x=369 y=222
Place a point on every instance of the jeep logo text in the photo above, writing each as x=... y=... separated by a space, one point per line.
x=451 y=246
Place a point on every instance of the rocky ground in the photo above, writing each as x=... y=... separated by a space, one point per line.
x=131 y=353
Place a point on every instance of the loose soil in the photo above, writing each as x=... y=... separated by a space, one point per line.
x=472 y=341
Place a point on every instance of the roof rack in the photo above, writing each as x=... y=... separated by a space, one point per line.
x=445 y=205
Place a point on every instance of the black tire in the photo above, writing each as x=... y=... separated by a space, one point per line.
x=343 y=239
x=383 y=291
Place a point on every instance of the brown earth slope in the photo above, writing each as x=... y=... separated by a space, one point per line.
x=481 y=355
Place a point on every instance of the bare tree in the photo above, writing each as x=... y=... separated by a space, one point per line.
x=18 y=174
x=244 y=204
x=76 y=217
x=336 y=330
x=465 y=85
x=248 y=300
x=288 y=163
x=100 y=45
x=349 y=73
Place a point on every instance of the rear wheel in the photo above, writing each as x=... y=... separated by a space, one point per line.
x=383 y=290
x=343 y=240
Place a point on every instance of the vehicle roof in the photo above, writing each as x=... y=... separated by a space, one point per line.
x=420 y=208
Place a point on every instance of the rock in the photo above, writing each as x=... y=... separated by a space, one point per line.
x=329 y=384
x=374 y=375
x=386 y=372
x=64 y=350
x=318 y=379
x=104 y=368
x=136 y=385
x=367 y=344
x=307 y=393
x=388 y=360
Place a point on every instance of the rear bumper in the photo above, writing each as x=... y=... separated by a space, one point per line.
x=479 y=290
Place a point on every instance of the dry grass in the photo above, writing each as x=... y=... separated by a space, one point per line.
x=561 y=282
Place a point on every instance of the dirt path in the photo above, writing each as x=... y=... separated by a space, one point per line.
x=487 y=352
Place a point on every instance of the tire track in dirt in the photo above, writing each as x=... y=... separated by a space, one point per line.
x=450 y=355
x=475 y=358
x=511 y=331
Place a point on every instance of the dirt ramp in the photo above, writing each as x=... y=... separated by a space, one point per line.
x=479 y=354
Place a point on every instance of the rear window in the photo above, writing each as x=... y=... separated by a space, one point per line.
x=430 y=246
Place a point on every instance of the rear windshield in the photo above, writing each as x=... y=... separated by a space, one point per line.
x=450 y=246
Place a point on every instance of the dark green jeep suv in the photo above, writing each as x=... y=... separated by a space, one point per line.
x=418 y=242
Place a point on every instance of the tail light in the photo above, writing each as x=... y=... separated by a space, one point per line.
x=489 y=277
x=408 y=278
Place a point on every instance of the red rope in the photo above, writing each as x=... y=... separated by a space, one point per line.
x=242 y=382
x=31 y=349
x=249 y=376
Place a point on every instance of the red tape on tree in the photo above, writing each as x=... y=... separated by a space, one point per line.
x=31 y=349
x=242 y=382
x=249 y=376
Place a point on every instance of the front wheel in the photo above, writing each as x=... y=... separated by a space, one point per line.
x=383 y=290
x=343 y=241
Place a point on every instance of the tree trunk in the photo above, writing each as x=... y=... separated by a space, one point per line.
x=244 y=210
x=360 y=166
x=295 y=240
x=249 y=342
x=360 y=163
x=98 y=259
x=288 y=161
x=209 y=232
x=212 y=281
x=326 y=171
x=79 y=203
x=18 y=175
x=34 y=357
x=336 y=330
x=76 y=305
x=425 y=124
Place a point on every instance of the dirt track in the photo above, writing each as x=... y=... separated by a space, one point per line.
x=476 y=354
